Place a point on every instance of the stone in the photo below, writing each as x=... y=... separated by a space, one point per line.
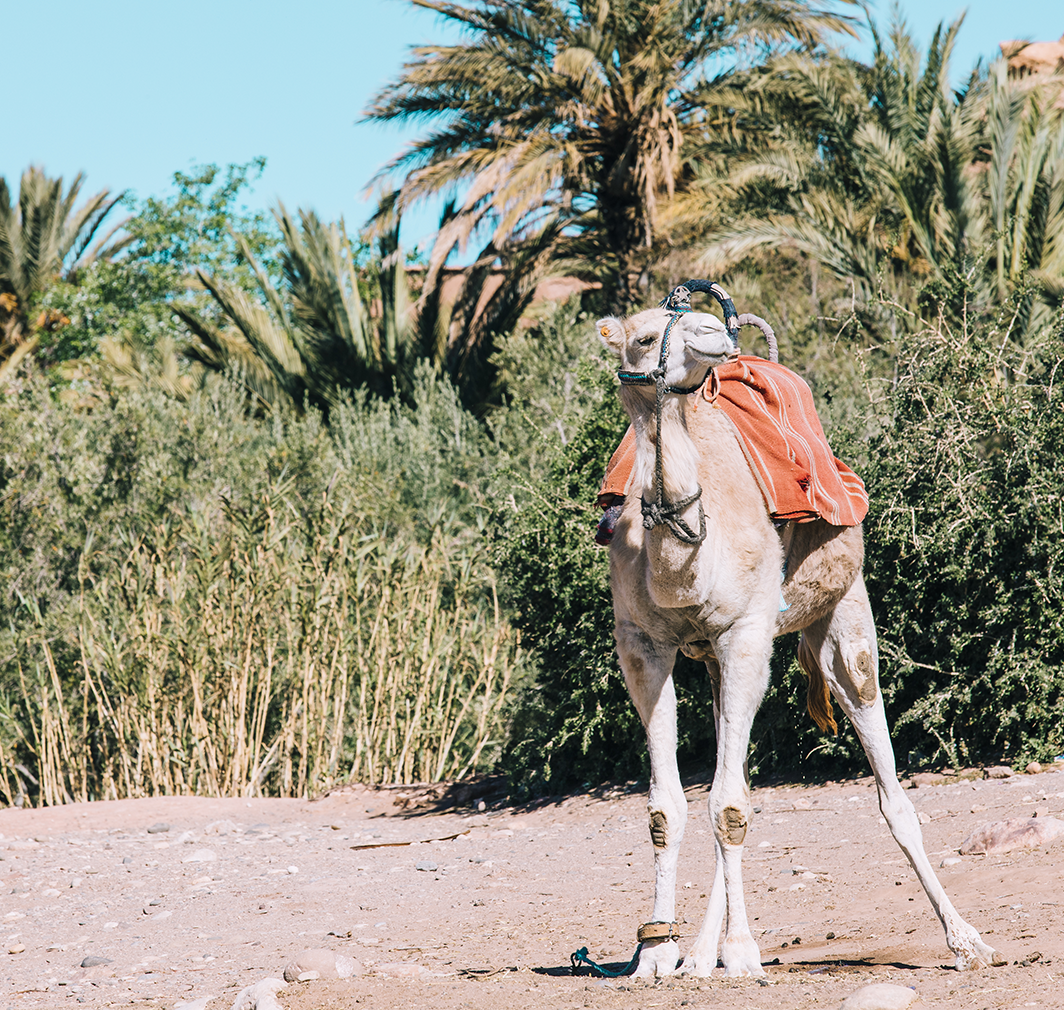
x=950 y=861
x=94 y=961
x=1033 y=768
x=927 y=779
x=879 y=996
x=321 y=963
x=196 y=1004
x=427 y=866
x=201 y=856
x=1015 y=833
x=998 y=772
x=159 y=829
x=223 y=827
x=260 y=996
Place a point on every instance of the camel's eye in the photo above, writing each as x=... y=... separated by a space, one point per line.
x=647 y=340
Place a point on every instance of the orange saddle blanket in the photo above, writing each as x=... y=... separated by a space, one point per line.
x=783 y=441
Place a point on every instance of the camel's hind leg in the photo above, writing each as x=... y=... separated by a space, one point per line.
x=648 y=673
x=843 y=646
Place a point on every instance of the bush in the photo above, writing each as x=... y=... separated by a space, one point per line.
x=199 y=601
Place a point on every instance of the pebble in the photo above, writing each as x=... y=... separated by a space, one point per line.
x=94 y=961
x=159 y=829
x=17 y=948
x=321 y=963
x=427 y=866
x=879 y=996
x=998 y=772
x=951 y=861
x=1033 y=768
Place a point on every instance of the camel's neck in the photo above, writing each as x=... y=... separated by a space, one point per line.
x=676 y=571
x=679 y=456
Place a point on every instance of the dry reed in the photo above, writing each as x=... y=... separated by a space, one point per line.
x=262 y=651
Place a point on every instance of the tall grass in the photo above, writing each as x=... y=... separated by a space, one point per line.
x=301 y=610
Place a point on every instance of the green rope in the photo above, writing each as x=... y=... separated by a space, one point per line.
x=578 y=957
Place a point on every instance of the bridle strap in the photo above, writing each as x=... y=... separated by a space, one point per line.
x=661 y=512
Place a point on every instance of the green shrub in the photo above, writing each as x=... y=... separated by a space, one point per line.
x=201 y=601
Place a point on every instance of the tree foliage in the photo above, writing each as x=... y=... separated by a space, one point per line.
x=44 y=237
x=565 y=123
x=892 y=180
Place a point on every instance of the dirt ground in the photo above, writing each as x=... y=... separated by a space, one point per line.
x=234 y=889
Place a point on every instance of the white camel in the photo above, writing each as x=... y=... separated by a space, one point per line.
x=718 y=600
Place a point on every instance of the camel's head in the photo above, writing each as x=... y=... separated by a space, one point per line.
x=697 y=342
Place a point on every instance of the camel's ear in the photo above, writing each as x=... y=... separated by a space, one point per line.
x=611 y=332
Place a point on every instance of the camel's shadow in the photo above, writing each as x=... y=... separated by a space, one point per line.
x=820 y=966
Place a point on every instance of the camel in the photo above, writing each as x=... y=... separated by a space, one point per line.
x=717 y=597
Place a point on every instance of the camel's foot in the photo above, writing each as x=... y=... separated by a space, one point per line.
x=657 y=957
x=741 y=957
x=701 y=961
x=970 y=951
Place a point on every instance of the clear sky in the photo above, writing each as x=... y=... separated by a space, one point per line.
x=130 y=92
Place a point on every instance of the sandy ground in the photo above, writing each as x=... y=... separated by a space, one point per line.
x=234 y=889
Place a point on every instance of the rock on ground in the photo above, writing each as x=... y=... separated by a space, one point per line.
x=1015 y=833
x=260 y=996
x=321 y=963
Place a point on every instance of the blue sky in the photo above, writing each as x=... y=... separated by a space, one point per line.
x=130 y=92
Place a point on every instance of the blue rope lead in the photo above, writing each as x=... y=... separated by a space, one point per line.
x=578 y=957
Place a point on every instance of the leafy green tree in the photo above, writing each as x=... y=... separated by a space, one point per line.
x=126 y=303
x=43 y=238
x=565 y=125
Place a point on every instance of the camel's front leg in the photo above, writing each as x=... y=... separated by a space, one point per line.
x=648 y=673
x=845 y=645
x=744 y=657
x=703 y=956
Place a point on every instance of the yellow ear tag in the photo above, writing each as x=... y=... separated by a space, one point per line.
x=605 y=331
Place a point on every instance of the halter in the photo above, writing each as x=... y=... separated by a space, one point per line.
x=661 y=512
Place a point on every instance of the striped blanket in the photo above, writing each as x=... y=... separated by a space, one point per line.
x=783 y=441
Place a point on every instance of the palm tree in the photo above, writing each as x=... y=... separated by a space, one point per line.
x=314 y=337
x=564 y=122
x=904 y=182
x=44 y=237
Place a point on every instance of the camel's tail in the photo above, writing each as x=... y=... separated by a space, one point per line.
x=818 y=699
